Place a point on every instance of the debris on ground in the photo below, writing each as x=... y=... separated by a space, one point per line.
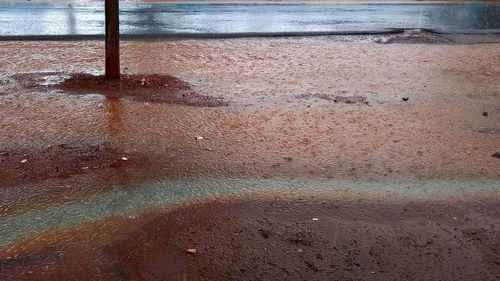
x=199 y=138
x=406 y=99
x=191 y=251
x=496 y=155
x=124 y=158
x=24 y=161
x=485 y=113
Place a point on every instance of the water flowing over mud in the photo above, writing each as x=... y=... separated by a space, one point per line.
x=308 y=238
x=250 y=159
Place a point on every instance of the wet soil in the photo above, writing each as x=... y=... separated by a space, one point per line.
x=415 y=36
x=355 y=99
x=281 y=121
x=274 y=239
x=297 y=108
x=59 y=161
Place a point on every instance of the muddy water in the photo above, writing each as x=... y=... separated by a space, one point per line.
x=292 y=128
x=273 y=238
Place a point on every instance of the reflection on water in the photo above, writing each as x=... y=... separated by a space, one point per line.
x=50 y=19
x=114 y=108
x=470 y=16
x=116 y=125
x=71 y=21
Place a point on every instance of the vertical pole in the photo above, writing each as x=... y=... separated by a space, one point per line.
x=111 y=10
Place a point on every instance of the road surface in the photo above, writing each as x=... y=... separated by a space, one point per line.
x=35 y=19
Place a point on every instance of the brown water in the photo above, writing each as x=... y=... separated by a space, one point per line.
x=298 y=109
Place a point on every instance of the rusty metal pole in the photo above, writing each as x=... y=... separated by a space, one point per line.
x=111 y=10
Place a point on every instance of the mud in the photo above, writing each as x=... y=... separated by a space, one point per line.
x=274 y=239
x=143 y=88
x=415 y=36
x=60 y=161
x=356 y=99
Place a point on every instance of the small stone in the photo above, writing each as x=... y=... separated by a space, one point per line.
x=300 y=250
x=85 y=168
x=372 y=272
x=485 y=113
x=124 y=158
x=199 y=138
x=496 y=155
x=454 y=218
x=24 y=161
x=315 y=219
x=191 y=251
x=406 y=99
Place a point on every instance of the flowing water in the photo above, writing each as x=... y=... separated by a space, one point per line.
x=26 y=19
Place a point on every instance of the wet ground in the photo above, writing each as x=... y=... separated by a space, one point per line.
x=304 y=238
x=387 y=145
x=202 y=19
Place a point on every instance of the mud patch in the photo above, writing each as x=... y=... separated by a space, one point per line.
x=145 y=88
x=354 y=99
x=59 y=161
x=414 y=36
x=484 y=130
x=274 y=239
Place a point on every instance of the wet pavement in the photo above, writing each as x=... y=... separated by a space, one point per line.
x=76 y=20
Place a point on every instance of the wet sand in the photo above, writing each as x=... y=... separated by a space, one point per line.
x=293 y=108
